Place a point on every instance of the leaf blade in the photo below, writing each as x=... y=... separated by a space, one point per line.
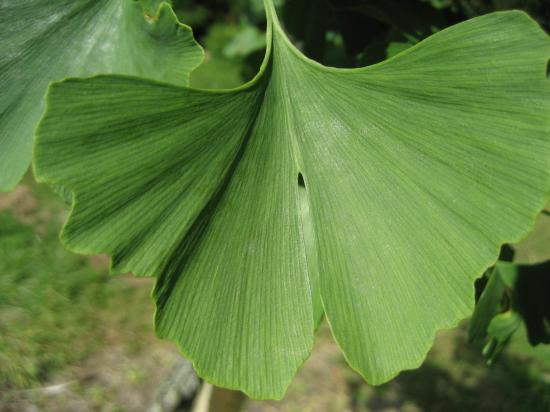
x=401 y=162
x=49 y=40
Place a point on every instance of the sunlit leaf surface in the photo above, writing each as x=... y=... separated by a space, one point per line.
x=375 y=196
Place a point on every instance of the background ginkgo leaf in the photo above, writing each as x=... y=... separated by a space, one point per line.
x=46 y=40
x=376 y=195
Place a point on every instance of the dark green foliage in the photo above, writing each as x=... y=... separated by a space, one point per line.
x=342 y=33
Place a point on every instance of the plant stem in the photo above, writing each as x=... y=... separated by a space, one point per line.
x=214 y=399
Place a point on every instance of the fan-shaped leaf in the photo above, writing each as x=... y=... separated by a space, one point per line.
x=374 y=195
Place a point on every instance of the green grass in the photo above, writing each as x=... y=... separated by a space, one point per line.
x=44 y=304
x=54 y=306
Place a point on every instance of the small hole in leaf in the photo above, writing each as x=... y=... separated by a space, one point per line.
x=548 y=69
x=301 y=182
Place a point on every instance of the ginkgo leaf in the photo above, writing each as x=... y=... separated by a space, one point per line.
x=375 y=196
x=46 y=40
x=531 y=293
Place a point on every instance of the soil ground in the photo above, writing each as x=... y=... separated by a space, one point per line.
x=88 y=344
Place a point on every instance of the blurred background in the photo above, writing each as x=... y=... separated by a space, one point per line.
x=73 y=338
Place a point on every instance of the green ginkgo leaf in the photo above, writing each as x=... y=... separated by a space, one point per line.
x=375 y=196
x=46 y=40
